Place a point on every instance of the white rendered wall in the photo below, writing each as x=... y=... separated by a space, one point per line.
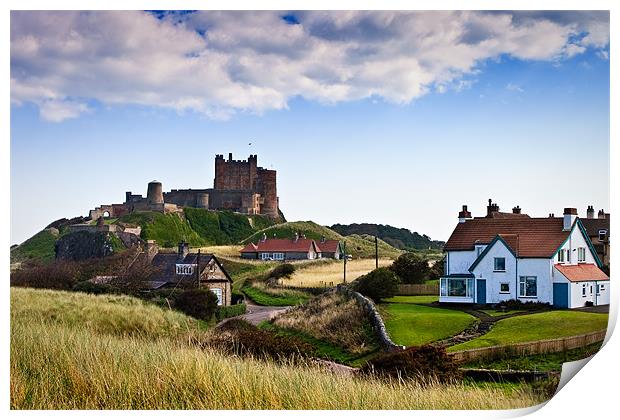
x=460 y=261
x=485 y=270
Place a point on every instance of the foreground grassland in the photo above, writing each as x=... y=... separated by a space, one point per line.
x=331 y=273
x=263 y=295
x=542 y=326
x=413 y=325
x=88 y=362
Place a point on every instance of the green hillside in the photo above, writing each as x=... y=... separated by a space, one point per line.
x=400 y=238
x=359 y=246
x=39 y=248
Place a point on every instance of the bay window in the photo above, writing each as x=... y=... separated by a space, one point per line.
x=457 y=287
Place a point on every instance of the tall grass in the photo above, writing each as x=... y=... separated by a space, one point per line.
x=72 y=363
x=334 y=318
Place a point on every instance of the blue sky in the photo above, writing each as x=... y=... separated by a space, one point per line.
x=362 y=117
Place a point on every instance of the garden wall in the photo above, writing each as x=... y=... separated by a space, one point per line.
x=375 y=318
x=534 y=347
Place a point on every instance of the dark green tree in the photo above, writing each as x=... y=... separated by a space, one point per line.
x=199 y=303
x=379 y=284
x=411 y=268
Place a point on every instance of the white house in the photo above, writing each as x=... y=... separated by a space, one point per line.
x=505 y=256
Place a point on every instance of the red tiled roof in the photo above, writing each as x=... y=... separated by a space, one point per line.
x=281 y=245
x=530 y=237
x=329 y=245
x=581 y=272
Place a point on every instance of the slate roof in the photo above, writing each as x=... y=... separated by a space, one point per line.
x=166 y=263
x=592 y=226
x=582 y=272
x=282 y=245
x=529 y=237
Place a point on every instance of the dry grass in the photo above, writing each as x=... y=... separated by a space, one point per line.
x=333 y=318
x=330 y=273
x=59 y=364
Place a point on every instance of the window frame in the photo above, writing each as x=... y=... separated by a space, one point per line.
x=581 y=254
x=503 y=292
x=602 y=234
x=584 y=293
x=444 y=287
x=497 y=270
x=561 y=255
x=523 y=287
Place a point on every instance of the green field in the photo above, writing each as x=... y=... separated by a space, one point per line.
x=413 y=325
x=78 y=351
x=541 y=326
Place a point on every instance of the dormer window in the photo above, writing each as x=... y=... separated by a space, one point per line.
x=602 y=234
x=185 y=269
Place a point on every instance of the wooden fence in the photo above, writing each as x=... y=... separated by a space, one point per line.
x=534 y=347
x=418 y=289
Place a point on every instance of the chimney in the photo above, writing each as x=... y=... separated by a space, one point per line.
x=491 y=208
x=151 y=249
x=303 y=236
x=183 y=249
x=570 y=215
x=601 y=214
x=264 y=238
x=296 y=237
x=516 y=210
x=551 y=215
x=464 y=214
x=590 y=212
x=322 y=239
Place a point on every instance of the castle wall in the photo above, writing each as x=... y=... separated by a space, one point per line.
x=235 y=174
x=266 y=187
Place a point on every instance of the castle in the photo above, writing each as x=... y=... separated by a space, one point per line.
x=239 y=185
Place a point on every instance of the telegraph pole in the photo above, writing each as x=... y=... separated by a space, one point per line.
x=198 y=268
x=376 y=252
x=344 y=250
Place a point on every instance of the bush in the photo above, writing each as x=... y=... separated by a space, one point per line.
x=241 y=338
x=58 y=275
x=224 y=312
x=284 y=270
x=379 y=284
x=411 y=268
x=237 y=298
x=199 y=303
x=437 y=270
x=517 y=305
x=423 y=364
x=93 y=288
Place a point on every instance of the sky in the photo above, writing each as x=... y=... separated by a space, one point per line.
x=382 y=117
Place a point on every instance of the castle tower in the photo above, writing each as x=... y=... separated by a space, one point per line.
x=154 y=193
x=235 y=174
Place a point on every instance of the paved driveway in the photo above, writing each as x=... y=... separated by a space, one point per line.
x=256 y=314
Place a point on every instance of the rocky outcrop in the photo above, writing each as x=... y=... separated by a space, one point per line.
x=83 y=245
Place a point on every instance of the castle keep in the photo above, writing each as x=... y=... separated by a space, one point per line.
x=239 y=185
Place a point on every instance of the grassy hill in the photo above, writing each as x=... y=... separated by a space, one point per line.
x=400 y=238
x=77 y=351
x=40 y=247
x=359 y=246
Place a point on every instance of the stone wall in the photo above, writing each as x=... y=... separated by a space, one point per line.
x=373 y=314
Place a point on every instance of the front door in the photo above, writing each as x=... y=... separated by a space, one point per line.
x=481 y=291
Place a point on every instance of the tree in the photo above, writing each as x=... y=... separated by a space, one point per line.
x=411 y=268
x=379 y=284
x=199 y=303
x=437 y=270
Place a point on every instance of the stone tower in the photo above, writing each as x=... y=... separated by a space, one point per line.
x=154 y=193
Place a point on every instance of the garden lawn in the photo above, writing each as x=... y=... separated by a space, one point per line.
x=414 y=325
x=542 y=326
x=412 y=299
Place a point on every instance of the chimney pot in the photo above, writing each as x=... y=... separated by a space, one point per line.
x=590 y=212
x=516 y=210
x=464 y=214
x=601 y=214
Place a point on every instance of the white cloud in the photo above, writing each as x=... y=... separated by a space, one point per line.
x=220 y=63
x=514 y=88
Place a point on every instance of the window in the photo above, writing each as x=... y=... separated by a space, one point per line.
x=598 y=290
x=185 y=269
x=217 y=292
x=561 y=254
x=602 y=287
x=456 y=287
x=602 y=234
x=527 y=287
x=568 y=255
x=278 y=255
x=583 y=291
x=264 y=256
x=581 y=254
x=504 y=288
x=499 y=264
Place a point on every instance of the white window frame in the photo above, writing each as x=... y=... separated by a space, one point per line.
x=185 y=269
x=523 y=287
x=444 y=289
x=602 y=234
x=583 y=290
x=504 y=284
x=568 y=255
x=581 y=254
x=279 y=256
x=497 y=270
x=264 y=256
x=561 y=254
x=217 y=291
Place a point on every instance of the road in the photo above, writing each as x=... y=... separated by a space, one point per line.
x=256 y=314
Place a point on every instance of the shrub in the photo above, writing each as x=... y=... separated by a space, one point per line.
x=379 y=284
x=241 y=338
x=411 y=268
x=284 y=270
x=514 y=304
x=93 y=288
x=224 y=312
x=237 y=298
x=437 y=270
x=424 y=364
x=199 y=303
x=59 y=275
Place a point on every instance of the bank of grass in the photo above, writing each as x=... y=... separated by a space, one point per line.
x=412 y=299
x=498 y=312
x=550 y=362
x=264 y=295
x=413 y=325
x=541 y=326
x=71 y=362
x=39 y=248
x=330 y=273
x=335 y=319
x=224 y=227
x=167 y=229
